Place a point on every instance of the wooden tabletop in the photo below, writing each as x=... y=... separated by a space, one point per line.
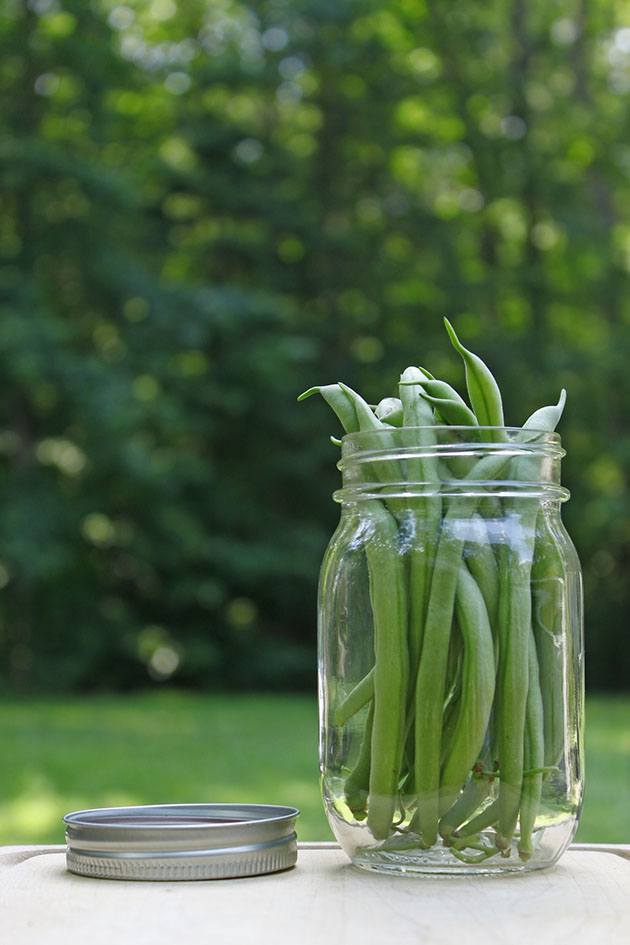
x=584 y=900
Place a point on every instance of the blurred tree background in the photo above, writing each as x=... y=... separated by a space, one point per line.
x=209 y=206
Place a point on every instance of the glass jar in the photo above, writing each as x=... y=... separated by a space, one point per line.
x=451 y=653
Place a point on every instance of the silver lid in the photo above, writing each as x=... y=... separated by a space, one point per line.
x=181 y=841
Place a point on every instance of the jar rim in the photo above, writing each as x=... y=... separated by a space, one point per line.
x=369 y=445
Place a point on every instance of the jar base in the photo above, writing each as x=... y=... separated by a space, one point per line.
x=440 y=860
x=445 y=869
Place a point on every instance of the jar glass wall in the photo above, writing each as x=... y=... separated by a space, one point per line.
x=450 y=640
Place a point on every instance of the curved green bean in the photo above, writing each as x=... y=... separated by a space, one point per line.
x=484 y=819
x=454 y=412
x=446 y=401
x=478 y=681
x=357 y=784
x=339 y=402
x=357 y=698
x=483 y=390
x=471 y=798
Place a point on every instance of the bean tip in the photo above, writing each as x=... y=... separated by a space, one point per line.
x=452 y=334
x=308 y=393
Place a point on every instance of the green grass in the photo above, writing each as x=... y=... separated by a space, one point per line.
x=606 y=815
x=60 y=755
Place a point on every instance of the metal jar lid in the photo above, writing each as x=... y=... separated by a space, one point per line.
x=181 y=841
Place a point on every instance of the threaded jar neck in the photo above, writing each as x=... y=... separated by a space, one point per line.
x=451 y=461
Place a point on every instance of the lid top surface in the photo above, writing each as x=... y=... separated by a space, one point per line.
x=179 y=816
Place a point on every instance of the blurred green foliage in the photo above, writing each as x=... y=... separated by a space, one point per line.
x=206 y=207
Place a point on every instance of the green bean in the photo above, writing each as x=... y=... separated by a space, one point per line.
x=390 y=411
x=515 y=631
x=339 y=402
x=483 y=390
x=449 y=408
x=457 y=466
x=490 y=508
x=534 y=756
x=478 y=680
x=419 y=524
x=438 y=389
x=486 y=571
x=471 y=798
x=366 y=419
x=446 y=401
x=356 y=699
x=391 y=670
x=481 y=561
x=513 y=675
x=475 y=859
x=385 y=471
x=416 y=413
x=452 y=409
x=484 y=819
x=547 y=600
x=455 y=412
x=357 y=784
x=424 y=517
x=453 y=695
x=546 y=419
x=431 y=681
x=454 y=666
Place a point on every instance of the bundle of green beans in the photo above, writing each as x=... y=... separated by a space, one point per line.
x=462 y=709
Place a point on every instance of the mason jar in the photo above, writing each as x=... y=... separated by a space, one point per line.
x=451 y=653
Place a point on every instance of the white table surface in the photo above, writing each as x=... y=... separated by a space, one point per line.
x=583 y=900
